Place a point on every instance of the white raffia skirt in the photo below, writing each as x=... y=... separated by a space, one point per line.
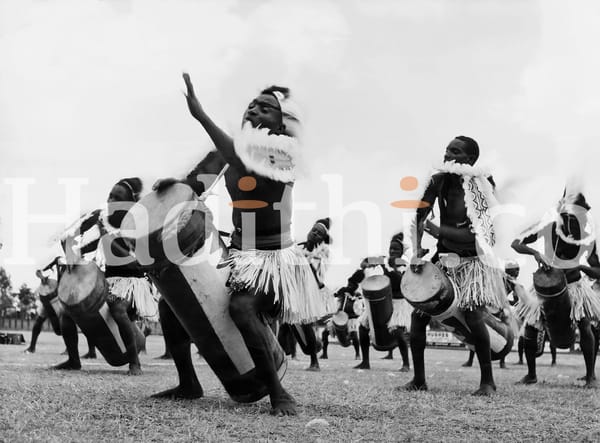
x=401 y=316
x=585 y=303
x=286 y=273
x=477 y=285
x=140 y=292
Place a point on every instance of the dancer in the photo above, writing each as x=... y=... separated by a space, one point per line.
x=316 y=250
x=43 y=315
x=567 y=240
x=464 y=195
x=399 y=323
x=131 y=295
x=270 y=277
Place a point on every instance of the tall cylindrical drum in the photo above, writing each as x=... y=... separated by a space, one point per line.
x=48 y=292
x=174 y=229
x=83 y=292
x=551 y=286
x=377 y=292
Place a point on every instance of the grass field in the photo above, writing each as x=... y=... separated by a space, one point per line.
x=102 y=403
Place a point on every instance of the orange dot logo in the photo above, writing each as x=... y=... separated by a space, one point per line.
x=409 y=183
x=247 y=184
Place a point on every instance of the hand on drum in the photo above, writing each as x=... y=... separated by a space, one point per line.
x=192 y=102
x=542 y=261
x=416 y=264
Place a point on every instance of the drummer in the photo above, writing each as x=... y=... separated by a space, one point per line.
x=270 y=277
x=399 y=323
x=43 y=315
x=464 y=227
x=130 y=293
x=344 y=298
x=566 y=241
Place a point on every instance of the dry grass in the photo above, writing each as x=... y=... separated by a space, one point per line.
x=101 y=403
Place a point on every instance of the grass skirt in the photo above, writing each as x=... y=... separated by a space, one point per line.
x=477 y=285
x=287 y=275
x=401 y=316
x=142 y=294
x=585 y=303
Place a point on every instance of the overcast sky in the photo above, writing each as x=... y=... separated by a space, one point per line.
x=93 y=90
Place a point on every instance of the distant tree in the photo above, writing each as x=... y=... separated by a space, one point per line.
x=26 y=299
x=7 y=300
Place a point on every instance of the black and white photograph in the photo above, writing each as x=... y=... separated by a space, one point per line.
x=299 y=221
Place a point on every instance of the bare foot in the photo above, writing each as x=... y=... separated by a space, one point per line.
x=467 y=364
x=90 y=355
x=283 y=404
x=134 y=370
x=583 y=378
x=485 y=389
x=591 y=383
x=165 y=356
x=387 y=357
x=313 y=368
x=363 y=365
x=553 y=364
x=323 y=357
x=415 y=386
x=405 y=369
x=68 y=365
x=357 y=357
x=29 y=351
x=503 y=365
x=527 y=380
x=180 y=392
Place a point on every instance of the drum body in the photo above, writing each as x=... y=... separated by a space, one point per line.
x=48 y=292
x=192 y=281
x=83 y=292
x=377 y=292
x=432 y=292
x=340 y=326
x=551 y=287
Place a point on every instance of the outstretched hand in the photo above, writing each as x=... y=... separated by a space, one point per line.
x=190 y=96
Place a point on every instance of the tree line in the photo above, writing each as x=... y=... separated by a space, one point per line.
x=16 y=304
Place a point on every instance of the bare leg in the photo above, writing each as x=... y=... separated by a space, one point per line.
x=474 y=320
x=244 y=309
x=403 y=348
x=365 y=344
x=553 y=354
x=389 y=356
x=306 y=338
x=35 y=333
x=118 y=309
x=418 y=338
x=520 y=349
x=530 y=345
x=587 y=342
x=91 y=353
x=69 y=333
x=469 y=361
x=178 y=341
x=325 y=340
x=355 y=340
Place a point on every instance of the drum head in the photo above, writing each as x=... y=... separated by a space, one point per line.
x=549 y=282
x=48 y=288
x=419 y=288
x=79 y=283
x=358 y=307
x=169 y=211
x=375 y=283
x=340 y=318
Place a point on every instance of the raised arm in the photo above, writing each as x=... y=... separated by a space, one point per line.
x=429 y=197
x=223 y=142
